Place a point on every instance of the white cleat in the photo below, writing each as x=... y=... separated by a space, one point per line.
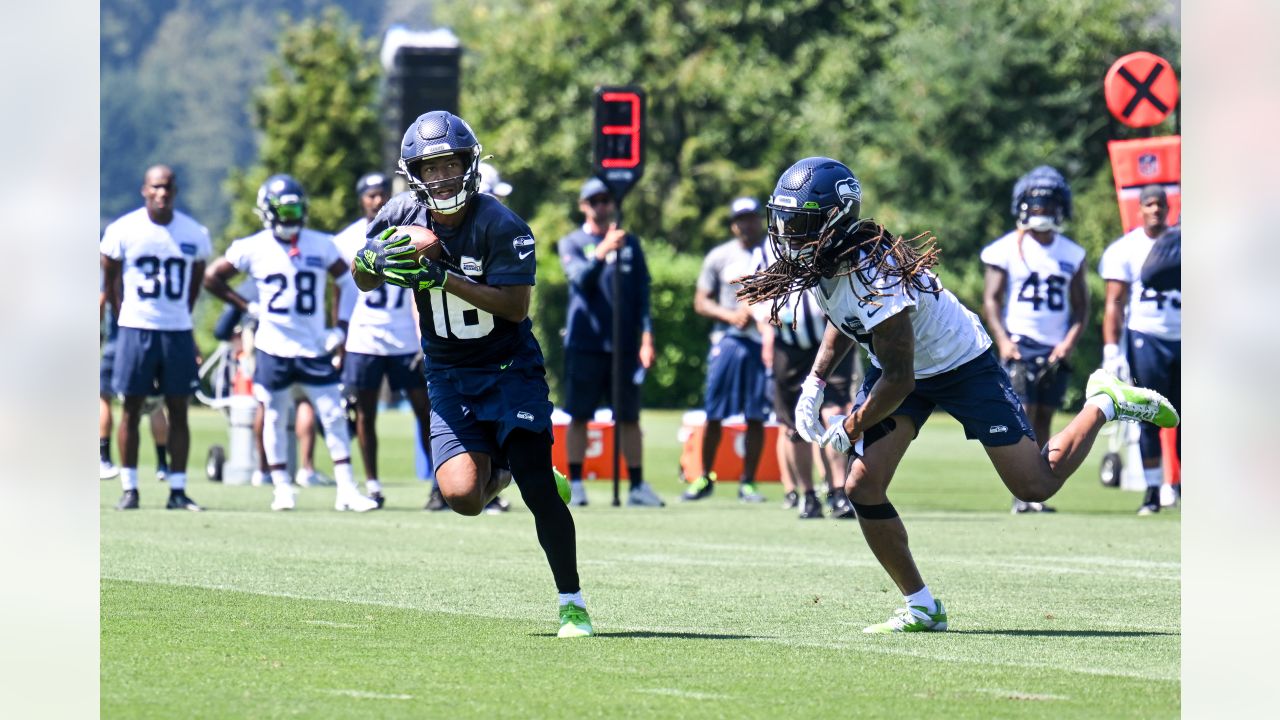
x=577 y=493
x=106 y=470
x=283 y=498
x=257 y=478
x=355 y=502
x=310 y=478
x=644 y=496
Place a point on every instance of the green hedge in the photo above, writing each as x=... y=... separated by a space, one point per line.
x=680 y=335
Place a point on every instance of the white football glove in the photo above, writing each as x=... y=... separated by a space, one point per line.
x=836 y=437
x=809 y=409
x=1114 y=362
x=252 y=312
x=334 y=338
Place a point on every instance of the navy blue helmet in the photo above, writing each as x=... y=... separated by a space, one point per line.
x=1041 y=199
x=812 y=196
x=433 y=135
x=372 y=180
x=282 y=206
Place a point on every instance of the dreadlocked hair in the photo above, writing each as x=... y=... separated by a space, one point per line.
x=863 y=248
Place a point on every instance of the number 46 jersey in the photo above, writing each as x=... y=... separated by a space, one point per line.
x=156 y=265
x=1037 y=302
x=291 y=289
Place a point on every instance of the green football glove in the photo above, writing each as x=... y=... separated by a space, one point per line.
x=430 y=275
x=384 y=254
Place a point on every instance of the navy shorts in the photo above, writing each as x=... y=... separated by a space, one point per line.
x=736 y=380
x=588 y=380
x=105 y=366
x=791 y=365
x=1156 y=364
x=1035 y=381
x=978 y=394
x=365 y=372
x=154 y=362
x=273 y=373
x=475 y=409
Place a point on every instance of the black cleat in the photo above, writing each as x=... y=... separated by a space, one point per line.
x=377 y=497
x=790 y=501
x=1021 y=506
x=812 y=507
x=841 y=508
x=128 y=501
x=178 y=500
x=700 y=488
x=436 y=502
x=1150 y=502
x=497 y=506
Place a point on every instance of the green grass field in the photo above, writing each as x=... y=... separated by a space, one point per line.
x=713 y=609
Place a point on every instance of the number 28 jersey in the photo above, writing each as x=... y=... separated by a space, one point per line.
x=291 y=289
x=492 y=246
x=156 y=261
x=1152 y=312
x=1037 y=301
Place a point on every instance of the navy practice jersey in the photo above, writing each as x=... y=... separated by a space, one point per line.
x=492 y=246
x=590 y=319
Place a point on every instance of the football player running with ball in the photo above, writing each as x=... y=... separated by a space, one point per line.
x=927 y=351
x=490 y=412
x=288 y=264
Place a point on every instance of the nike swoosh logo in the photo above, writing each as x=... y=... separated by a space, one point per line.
x=504 y=367
x=524 y=255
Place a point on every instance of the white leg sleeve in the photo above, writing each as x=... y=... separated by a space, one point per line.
x=328 y=404
x=275 y=420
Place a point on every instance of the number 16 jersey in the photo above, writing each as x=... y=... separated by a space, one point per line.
x=1037 y=301
x=291 y=289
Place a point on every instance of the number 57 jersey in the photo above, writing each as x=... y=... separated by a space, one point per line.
x=1037 y=301
x=492 y=246
x=1152 y=312
x=291 y=289
x=156 y=262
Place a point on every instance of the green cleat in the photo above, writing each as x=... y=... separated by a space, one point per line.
x=1132 y=403
x=700 y=488
x=912 y=619
x=562 y=484
x=574 y=621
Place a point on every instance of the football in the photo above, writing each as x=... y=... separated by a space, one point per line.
x=425 y=242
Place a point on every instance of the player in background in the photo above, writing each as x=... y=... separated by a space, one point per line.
x=1035 y=300
x=789 y=352
x=288 y=264
x=591 y=255
x=491 y=182
x=382 y=342
x=927 y=351
x=1149 y=323
x=152 y=259
x=490 y=410
x=737 y=382
x=106 y=365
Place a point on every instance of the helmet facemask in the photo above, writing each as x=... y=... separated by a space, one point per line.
x=284 y=216
x=1041 y=211
x=467 y=183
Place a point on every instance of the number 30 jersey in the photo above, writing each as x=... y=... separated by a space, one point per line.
x=1037 y=301
x=156 y=263
x=291 y=289
x=492 y=246
x=1152 y=312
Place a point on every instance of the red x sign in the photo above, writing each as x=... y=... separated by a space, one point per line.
x=1141 y=89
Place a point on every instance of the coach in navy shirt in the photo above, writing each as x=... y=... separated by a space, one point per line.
x=591 y=255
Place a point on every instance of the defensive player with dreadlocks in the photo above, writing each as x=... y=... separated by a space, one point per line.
x=927 y=351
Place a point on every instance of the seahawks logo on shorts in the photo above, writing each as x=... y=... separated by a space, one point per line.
x=525 y=415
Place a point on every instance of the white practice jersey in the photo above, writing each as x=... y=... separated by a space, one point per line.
x=1153 y=312
x=798 y=309
x=156 y=262
x=1037 y=301
x=947 y=334
x=291 y=290
x=382 y=321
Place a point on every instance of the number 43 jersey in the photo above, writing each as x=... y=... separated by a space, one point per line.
x=1037 y=301
x=291 y=289
x=156 y=262
x=492 y=246
x=1153 y=312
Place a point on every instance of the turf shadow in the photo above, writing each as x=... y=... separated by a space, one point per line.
x=647 y=634
x=1067 y=633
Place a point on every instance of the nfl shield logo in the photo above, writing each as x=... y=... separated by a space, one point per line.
x=1148 y=164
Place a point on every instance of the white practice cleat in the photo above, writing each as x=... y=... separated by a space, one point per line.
x=644 y=496
x=283 y=499
x=106 y=470
x=354 y=501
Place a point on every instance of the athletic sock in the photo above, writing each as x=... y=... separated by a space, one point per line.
x=573 y=597
x=280 y=478
x=637 y=477
x=922 y=598
x=129 y=478
x=104 y=449
x=162 y=458
x=344 y=478
x=1103 y=402
x=575 y=472
x=177 y=481
x=373 y=485
x=1154 y=476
